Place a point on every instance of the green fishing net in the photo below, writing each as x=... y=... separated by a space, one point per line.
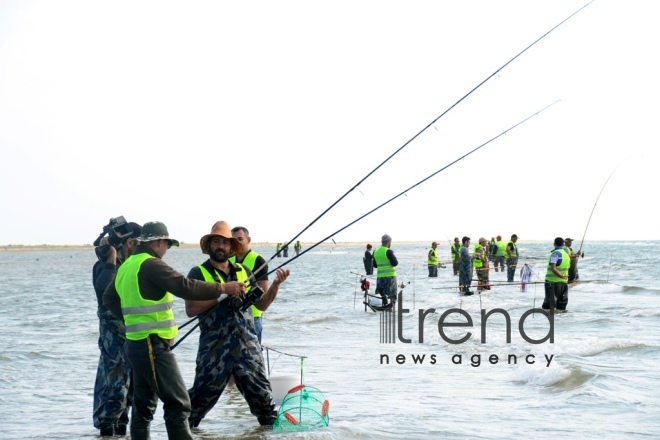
x=303 y=408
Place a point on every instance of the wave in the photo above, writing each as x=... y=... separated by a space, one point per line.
x=594 y=346
x=555 y=375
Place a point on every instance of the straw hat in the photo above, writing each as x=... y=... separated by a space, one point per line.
x=220 y=229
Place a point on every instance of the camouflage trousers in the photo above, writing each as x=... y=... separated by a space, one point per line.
x=227 y=350
x=483 y=277
x=112 y=389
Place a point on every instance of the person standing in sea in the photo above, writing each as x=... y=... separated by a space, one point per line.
x=465 y=269
x=433 y=260
x=112 y=388
x=573 y=270
x=511 y=258
x=228 y=345
x=456 y=255
x=255 y=262
x=481 y=263
x=556 y=279
x=368 y=261
x=142 y=296
x=500 y=254
x=385 y=261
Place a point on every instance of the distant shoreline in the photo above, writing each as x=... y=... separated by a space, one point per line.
x=89 y=247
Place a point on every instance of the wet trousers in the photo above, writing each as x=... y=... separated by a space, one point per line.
x=112 y=388
x=156 y=376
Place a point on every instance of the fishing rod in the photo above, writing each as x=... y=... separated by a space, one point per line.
x=415 y=185
x=395 y=153
x=594 y=208
x=434 y=121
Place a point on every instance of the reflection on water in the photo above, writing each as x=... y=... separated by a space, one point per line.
x=604 y=358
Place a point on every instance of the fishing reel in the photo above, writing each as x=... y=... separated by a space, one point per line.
x=243 y=302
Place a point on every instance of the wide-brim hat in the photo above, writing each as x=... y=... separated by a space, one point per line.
x=153 y=231
x=220 y=229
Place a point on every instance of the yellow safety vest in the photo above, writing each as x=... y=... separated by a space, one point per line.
x=249 y=261
x=433 y=257
x=561 y=267
x=241 y=276
x=143 y=317
x=477 y=261
x=385 y=268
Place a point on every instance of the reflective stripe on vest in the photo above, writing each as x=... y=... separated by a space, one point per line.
x=433 y=257
x=250 y=261
x=385 y=268
x=561 y=267
x=143 y=317
x=477 y=261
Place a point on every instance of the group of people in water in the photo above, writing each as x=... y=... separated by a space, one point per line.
x=561 y=267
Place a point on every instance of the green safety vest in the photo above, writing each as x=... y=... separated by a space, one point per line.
x=561 y=267
x=385 y=268
x=433 y=257
x=501 y=249
x=477 y=261
x=457 y=255
x=514 y=254
x=249 y=261
x=143 y=317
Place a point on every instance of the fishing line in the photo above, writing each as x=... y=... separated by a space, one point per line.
x=395 y=153
x=413 y=186
x=594 y=208
x=434 y=121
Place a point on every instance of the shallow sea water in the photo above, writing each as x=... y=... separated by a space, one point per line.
x=601 y=381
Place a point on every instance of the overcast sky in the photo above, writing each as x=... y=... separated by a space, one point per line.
x=264 y=113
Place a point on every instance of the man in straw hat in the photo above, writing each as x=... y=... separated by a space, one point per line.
x=142 y=296
x=228 y=344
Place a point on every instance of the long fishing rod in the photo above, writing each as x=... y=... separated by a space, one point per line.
x=401 y=148
x=413 y=186
x=594 y=208
x=434 y=121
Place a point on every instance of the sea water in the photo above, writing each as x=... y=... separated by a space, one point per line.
x=598 y=379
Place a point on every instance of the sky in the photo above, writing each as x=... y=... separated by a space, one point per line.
x=265 y=114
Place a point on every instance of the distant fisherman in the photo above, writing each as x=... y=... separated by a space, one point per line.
x=456 y=255
x=433 y=260
x=573 y=270
x=481 y=263
x=556 y=279
x=385 y=261
x=465 y=271
x=368 y=261
x=511 y=258
x=500 y=254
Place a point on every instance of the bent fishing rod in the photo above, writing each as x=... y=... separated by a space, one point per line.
x=329 y=237
x=413 y=186
x=431 y=124
x=594 y=208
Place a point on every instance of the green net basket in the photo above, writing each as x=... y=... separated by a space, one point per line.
x=303 y=408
